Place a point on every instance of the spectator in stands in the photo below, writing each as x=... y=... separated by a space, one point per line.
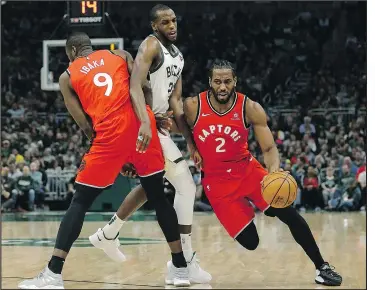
x=5 y=149
x=361 y=179
x=352 y=167
x=6 y=188
x=14 y=172
x=48 y=158
x=17 y=111
x=359 y=158
x=37 y=177
x=329 y=186
x=351 y=198
x=24 y=187
x=337 y=158
x=307 y=127
x=311 y=196
x=299 y=170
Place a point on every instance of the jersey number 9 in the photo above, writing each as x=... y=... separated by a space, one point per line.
x=107 y=82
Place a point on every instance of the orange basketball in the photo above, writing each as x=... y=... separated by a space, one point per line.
x=279 y=189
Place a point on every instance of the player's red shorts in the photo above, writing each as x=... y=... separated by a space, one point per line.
x=229 y=197
x=115 y=145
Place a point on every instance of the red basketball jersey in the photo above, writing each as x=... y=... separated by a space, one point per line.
x=221 y=138
x=101 y=81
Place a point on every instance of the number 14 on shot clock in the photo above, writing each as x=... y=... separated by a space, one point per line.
x=86 y=12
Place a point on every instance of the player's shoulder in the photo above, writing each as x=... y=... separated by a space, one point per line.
x=150 y=45
x=191 y=101
x=254 y=111
x=123 y=54
x=249 y=103
x=64 y=77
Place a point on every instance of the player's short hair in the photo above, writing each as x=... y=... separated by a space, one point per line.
x=221 y=64
x=78 y=40
x=154 y=11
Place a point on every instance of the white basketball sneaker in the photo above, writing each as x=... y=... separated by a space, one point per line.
x=45 y=280
x=196 y=273
x=178 y=277
x=110 y=247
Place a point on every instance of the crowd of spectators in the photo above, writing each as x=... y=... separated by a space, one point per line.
x=268 y=42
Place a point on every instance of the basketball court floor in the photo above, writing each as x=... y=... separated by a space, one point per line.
x=28 y=240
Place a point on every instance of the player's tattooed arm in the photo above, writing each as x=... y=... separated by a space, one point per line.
x=74 y=106
x=256 y=116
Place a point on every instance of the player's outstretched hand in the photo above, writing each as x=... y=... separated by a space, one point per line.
x=164 y=121
x=144 y=137
x=128 y=170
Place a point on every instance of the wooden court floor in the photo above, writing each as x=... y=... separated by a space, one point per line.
x=278 y=262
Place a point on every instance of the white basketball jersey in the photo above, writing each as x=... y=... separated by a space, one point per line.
x=164 y=78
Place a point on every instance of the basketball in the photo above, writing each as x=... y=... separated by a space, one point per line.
x=279 y=189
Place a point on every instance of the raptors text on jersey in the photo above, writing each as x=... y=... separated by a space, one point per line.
x=221 y=138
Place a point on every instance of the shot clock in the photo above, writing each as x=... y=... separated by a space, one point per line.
x=86 y=12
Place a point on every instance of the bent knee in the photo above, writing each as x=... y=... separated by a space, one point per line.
x=249 y=244
x=249 y=238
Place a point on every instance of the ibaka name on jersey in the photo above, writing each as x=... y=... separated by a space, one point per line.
x=212 y=129
x=91 y=65
x=101 y=81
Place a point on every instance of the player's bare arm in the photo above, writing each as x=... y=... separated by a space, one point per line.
x=74 y=106
x=190 y=111
x=146 y=88
x=190 y=107
x=176 y=104
x=147 y=52
x=256 y=116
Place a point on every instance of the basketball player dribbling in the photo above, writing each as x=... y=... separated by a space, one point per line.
x=220 y=119
x=122 y=129
x=163 y=62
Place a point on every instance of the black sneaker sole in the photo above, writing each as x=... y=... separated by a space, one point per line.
x=328 y=283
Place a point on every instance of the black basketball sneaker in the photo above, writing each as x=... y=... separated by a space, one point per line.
x=326 y=275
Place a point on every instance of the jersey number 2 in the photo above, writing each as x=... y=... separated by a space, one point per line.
x=222 y=143
x=107 y=82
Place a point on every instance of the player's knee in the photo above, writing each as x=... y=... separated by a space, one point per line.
x=250 y=243
x=284 y=214
x=182 y=179
x=84 y=196
x=249 y=238
x=154 y=188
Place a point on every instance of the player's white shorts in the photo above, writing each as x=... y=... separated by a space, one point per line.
x=172 y=156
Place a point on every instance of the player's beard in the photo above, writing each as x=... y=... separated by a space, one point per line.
x=225 y=101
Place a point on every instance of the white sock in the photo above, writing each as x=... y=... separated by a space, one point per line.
x=113 y=227
x=186 y=246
